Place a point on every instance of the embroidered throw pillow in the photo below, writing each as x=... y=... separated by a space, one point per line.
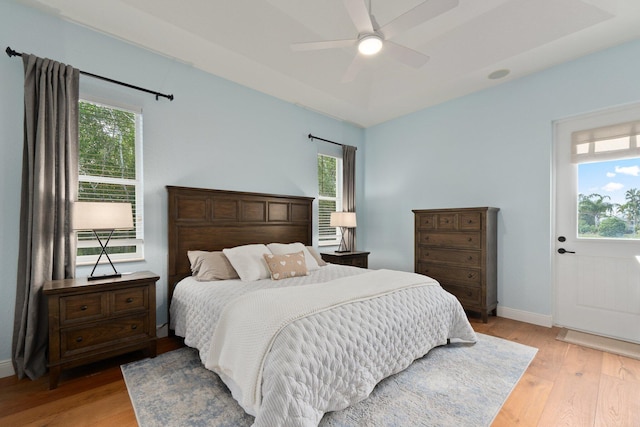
x=286 y=265
x=289 y=248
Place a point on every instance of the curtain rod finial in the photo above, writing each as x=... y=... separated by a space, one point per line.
x=11 y=52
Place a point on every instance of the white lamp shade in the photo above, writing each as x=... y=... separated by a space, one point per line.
x=343 y=219
x=102 y=216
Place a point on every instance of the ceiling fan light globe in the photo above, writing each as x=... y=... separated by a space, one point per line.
x=370 y=45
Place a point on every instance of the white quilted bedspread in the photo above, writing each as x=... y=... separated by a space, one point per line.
x=332 y=359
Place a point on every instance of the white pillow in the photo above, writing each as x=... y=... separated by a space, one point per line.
x=289 y=248
x=248 y=262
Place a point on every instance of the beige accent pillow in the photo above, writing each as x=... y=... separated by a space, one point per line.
x=286 y=265
x=314 y=253
x=208 y=266
x=289 y=248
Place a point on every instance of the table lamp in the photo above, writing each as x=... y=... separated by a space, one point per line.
x=102 y=216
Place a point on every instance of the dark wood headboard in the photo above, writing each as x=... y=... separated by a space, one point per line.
x=211 y=220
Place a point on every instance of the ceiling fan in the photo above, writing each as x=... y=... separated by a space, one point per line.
x=372 y=38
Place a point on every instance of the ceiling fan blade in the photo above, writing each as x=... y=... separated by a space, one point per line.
x=329 y=44
x=419 y=14
x=359 y=15
x=405 y=55
x=353 y=70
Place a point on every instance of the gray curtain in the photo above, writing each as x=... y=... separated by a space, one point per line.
x=349 y=191
x=49 y=186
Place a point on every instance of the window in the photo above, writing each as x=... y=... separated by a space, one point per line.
x=110 y=169
x=329 y=198
x=608 y=160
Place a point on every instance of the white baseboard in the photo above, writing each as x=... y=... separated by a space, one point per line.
x=6 y=368
x=162 y=331
x=526 y=316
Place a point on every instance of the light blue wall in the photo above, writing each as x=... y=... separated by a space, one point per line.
x=215 y=134
x=491 y=148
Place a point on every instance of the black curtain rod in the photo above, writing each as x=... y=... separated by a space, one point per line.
x=12 y=52
x=312 y=137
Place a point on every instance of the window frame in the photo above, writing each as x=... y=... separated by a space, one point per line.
x=333 y=240
x=138 y=242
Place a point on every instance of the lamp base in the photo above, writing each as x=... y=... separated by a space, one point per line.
x=342 y=251
x=106 y=276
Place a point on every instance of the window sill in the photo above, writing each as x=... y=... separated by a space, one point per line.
x=105 y=262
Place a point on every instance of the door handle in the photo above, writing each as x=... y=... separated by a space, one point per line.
x=564 y=251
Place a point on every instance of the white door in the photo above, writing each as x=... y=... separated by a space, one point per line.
x=597 y=210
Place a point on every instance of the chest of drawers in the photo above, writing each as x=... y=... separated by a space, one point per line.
x=458 y=248
x=90 y=321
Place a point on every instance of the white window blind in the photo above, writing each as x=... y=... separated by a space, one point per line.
x=329 y=198
x=110 y=170
x=613 y=142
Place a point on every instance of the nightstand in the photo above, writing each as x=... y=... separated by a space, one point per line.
x=95 y=320
x=355 y=258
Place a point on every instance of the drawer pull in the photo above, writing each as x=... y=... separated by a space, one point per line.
x=470 y=258
x=470 y=239
x=79 y=339
x=134 y=326
x=84 y=307
x=129 y=300
x=446 y=221
x=469 y=294
x=470 y=276
x=470 y=221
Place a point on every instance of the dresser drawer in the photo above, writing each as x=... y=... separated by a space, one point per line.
x=126 y=300
x=447 y=275
x=450 y=256
x=75 y=340
x=447 y=221
x=470 y=221
x=463 y=240
x=427 y=222
x=466 y=295
x=83 y=307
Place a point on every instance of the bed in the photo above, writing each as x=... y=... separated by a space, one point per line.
x=291 y=349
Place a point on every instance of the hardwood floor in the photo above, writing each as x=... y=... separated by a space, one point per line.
x=565 y=385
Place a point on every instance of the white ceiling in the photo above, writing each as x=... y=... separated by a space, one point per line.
x=248 y=41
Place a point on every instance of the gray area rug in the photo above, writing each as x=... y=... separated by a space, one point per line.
x=454 y=385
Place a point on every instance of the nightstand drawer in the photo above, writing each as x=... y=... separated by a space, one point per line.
x=355 y=258
x=467 y=240
x=82 y=308
x=80 y=339
x=127 y=300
